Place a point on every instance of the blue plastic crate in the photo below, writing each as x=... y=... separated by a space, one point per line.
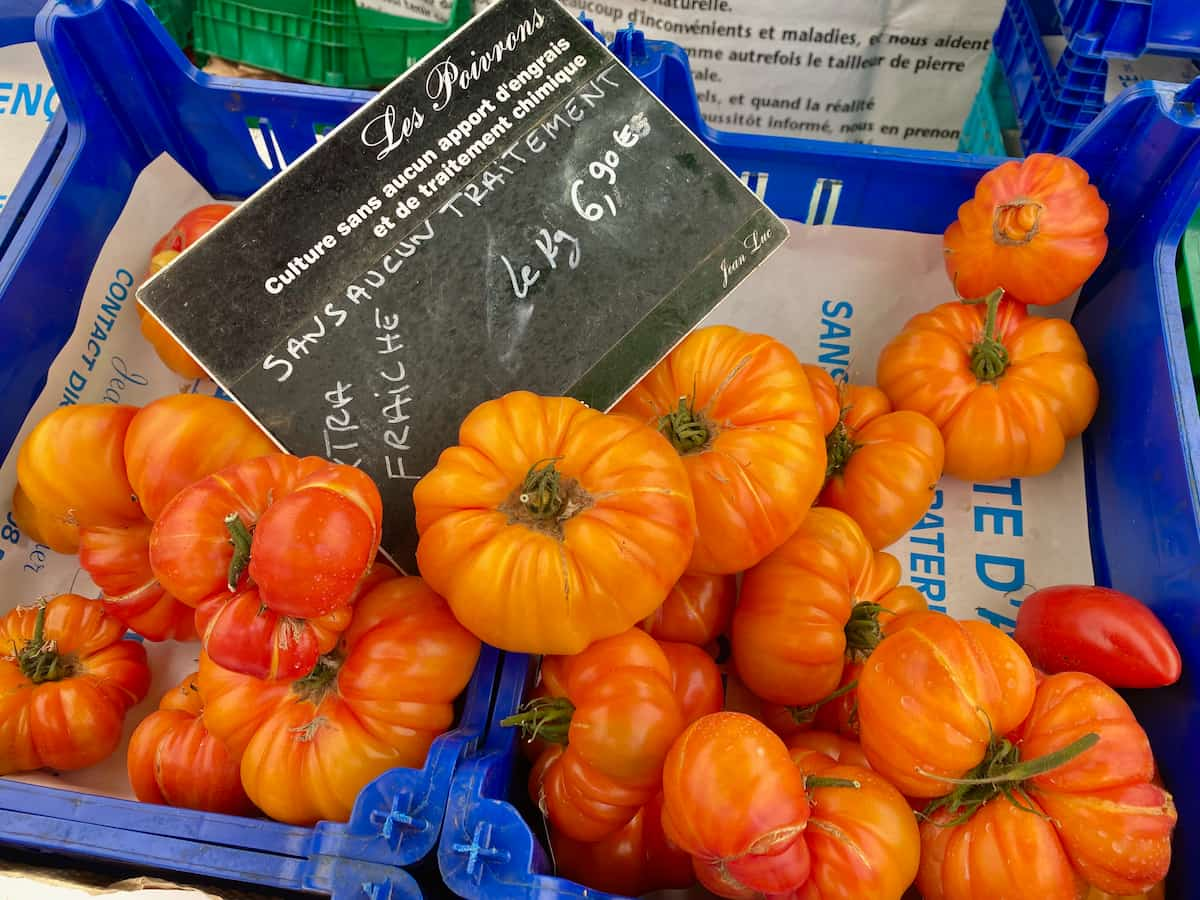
x=1141 y=453
x=16 y=27
x=1130 y=28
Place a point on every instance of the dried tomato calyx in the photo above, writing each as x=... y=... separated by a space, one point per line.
x=688 y=429
x=989 y=357
x=546 y=499
x=1016 y=223
x=39 y=660
x=544 y=718
x=321 y=680
x=839 y=447
x=802 y=715
x=239 y=536
x=863 y=631
x=1001 y=772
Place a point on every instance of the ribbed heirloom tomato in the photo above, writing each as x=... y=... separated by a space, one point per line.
x=376 y=702
x=883 y=466
x=695 y=679
x=42 y=527
x=67 y=679
x=1006 y=389
x=174 y=760
x=738 y=410
x=697 y=611
x=609 y=715
x=934 y=694
x=810 y=604
x=813 y=751
x=735 y=801
x=299 y=533
x=72 y=466
x=118 y=561
x=634 y=861
x=1034 y=228
x=552 y=525
x=1068 y=802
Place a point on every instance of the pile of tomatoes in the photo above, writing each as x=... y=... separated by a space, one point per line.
x=734 y=687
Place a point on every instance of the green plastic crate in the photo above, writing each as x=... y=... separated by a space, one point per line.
x=330 y=42
x=991 y=127
x=176 y=17
x=1187 y=267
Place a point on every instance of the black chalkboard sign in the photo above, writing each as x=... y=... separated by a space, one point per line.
x=516 y=212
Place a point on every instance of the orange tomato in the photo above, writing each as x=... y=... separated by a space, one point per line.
x=739 y=411
x=192 y=225
x=617 y=717
x=174 y=761
x=1006 y=389
x=376 y=702
x=552 y=525
x=631 y=862
x=695 y=679
x=808 y=604
x=697 y=611
x=932 y=696
x=118 y=561
x=1035 y=228
x=42 y=527
x=862 y=836
x=179 y=439
x=1068 y=800
x=72 y=466
x=734 y=800
x=66 y=684
x=883 y=466
x=816 y=751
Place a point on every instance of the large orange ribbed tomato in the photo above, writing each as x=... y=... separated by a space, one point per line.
x=1006 y=389
x=176 y=440
x=934 y=694
x=175 y=761
x=552 y=525
x=810 y=604
x=72 y=465
x=738 y=409
x=697 y=611
x=1035 y=228
x=1068 y=802
x=736 y=802
x=376 y=702
x=118 y=561
x=883 y=466
x=67 y=679
x=610 y=714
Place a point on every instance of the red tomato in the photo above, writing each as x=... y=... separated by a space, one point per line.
x=1106 y=633
x=193 y=225
x=634 y=861
x=618 y=715
x=174 y=761
x=815 y=751
x=67 y=686
x=736 y=802
x=697 y=611
x=374 y=703
x=315 y=530
x=265 y=644
x=118 y=561
x=696 y=680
